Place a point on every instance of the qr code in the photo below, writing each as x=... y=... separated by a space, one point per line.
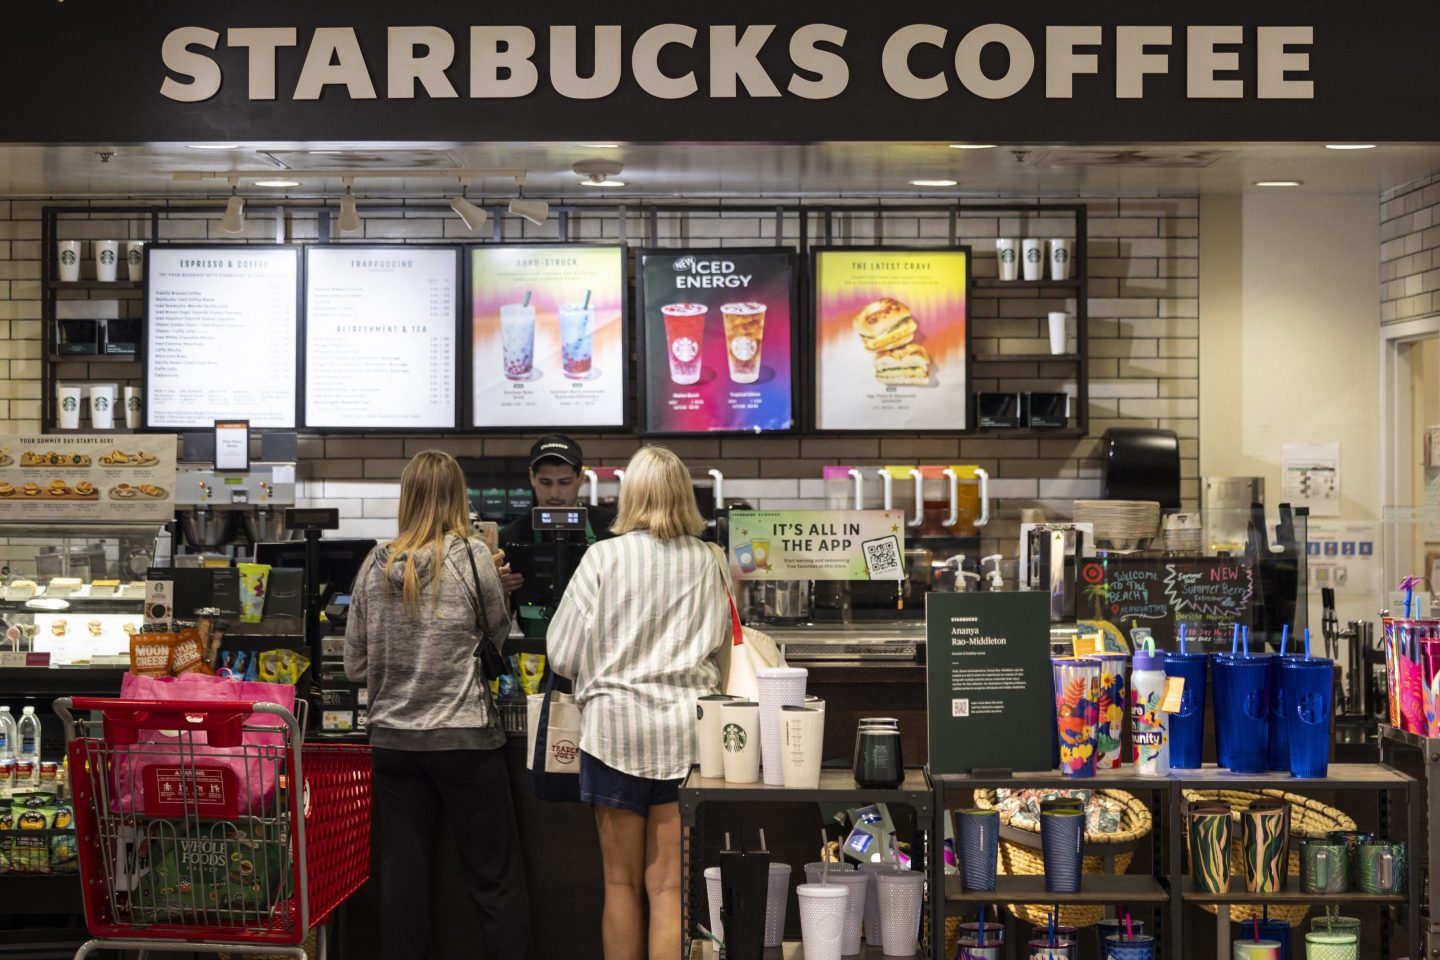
x=960 y=707
x=882 y=558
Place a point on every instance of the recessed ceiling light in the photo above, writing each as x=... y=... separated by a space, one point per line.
x=1349 y=146
x=214 y=146
x=277 y=183
x=602 y=183
x=1277 y=183
x=600 y=146
x=933 y=183
x=972 y=146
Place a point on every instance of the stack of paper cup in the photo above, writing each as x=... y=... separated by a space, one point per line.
x=855 y=885
x=67 y=260
x=107 y=260
x=822 y=919
x=135 y=260
x=67 y=406
x=1007 y=252
x=776 y=901
x=779 y=687
x=132 y=407
x=1061 y=252
x=709 y=731
x=102 y=405
x=901 y=895
x=873 y=934
x=1033 y=253
x=713 y=893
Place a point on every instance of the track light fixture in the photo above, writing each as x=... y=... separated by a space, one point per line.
x=473 y=216
x=349 y=215
x=234 y=219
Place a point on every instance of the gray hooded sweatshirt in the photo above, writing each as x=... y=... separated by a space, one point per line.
x=425 y=692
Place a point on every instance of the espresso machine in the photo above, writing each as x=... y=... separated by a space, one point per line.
x=223 y=514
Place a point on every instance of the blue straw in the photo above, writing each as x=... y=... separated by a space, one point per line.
x=1284 y=638
x=1235 y=640
x=1246 y=634
x=982 y=927
x=1052 y=929
x=1307 y=643
x=1182 y=638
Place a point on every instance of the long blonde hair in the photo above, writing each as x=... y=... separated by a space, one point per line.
x=657 y=496
x=433 y=505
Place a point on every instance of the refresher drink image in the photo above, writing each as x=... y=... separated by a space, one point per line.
x=517 y=340
x=744 y=334
x=684 y=333
x=577 y=339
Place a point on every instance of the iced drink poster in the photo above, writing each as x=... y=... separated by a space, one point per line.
x=548 y=335
x=718 y=332
x=891 y=339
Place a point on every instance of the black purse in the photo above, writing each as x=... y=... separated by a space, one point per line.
x=488 y=658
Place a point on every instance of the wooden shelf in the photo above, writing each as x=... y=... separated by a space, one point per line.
x=1029 y=433
x=1027 y=358
x=992 y=283
x=1238 y=894
x=93 y=285
x=1094 y=888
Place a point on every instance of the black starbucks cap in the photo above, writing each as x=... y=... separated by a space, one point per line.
x=556 y=446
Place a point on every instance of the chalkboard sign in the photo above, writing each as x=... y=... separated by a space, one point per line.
x=1207 y=594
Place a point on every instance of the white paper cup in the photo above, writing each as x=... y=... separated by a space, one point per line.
x=107 y=260
x=874 y=934
x=740 y=740
x=135 y=260
x=777 y=899
x=856 y=884
x=132 y=407
x=708 y=733
x=1057 y=331
x=1061 y=253
x=715 y=896
x=1032 y=252
x=803 y=737
x=68 y=400
x=779 y=687
x=67 y=259
x=102 y=405
x=1007 y=252
x=822 y=919
x=901 y=893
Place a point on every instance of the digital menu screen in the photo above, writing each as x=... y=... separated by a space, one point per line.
x=547 y=336
x=221 y=328
x=381 y=325
x=891 y=339
x=718 y=328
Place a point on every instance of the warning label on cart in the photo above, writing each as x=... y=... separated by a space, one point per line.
x=207 y=792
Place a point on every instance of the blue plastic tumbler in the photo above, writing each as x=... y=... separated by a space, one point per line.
x=1277 y=930
x=1278 y=757
x=1242 y=709
x=1187 y=725
x=1141 y=947
x=1308 y=690
x=1219 y=694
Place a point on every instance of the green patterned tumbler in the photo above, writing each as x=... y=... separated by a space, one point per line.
x=1209 y=836
x=1264 y=840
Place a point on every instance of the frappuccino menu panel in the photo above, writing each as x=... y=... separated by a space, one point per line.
x=220 y=335
x=547 y=336
x=82 y=477
x=380 y=334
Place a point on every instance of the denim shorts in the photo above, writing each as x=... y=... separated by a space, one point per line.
x=610 y=788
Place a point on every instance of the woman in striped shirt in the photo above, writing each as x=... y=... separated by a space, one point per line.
x=638 y=630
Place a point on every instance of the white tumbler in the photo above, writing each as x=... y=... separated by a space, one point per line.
x=107 y=260
x=873 y=931
x=855 y=885
x=777 y=898
x=1007 y=252
x=715 y=896
x=740 y=739
x=822 y=919
x=802 y=743
x=1061 y=253
x=814 y=871
x=1057 y=331
x=1033 y=253
x=67 y=406
x=708 y=728
x=132 y=407
x=135 y=260
x=901 y=894
x=67 y=260
x=102 y=405
x=779 y=687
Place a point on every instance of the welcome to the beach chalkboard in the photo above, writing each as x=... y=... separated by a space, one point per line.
x=1207 y=594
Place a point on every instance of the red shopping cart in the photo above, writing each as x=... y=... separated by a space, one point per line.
x=212 y=826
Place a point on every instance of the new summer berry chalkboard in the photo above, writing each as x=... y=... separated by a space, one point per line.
x=1208 y=594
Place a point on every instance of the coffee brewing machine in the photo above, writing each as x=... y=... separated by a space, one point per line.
x=223 y=514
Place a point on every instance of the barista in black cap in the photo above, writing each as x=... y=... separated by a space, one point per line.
x=533 y=580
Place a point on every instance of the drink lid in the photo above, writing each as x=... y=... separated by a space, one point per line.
x=742 y=308
x=1148 y=658
x=684 y=309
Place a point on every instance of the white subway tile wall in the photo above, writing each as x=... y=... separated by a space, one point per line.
x=1144 y=341
x=1410 y=250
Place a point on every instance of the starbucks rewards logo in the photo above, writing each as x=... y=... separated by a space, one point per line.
x=734 y=738
x=107 y=257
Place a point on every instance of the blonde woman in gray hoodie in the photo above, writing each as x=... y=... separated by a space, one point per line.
x=436 y=736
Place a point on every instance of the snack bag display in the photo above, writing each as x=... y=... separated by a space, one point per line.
x=187 y=655
x=40 y=814
x=282 y=666
x=150 y=654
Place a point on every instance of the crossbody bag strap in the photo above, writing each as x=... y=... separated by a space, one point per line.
x=737 y=632
x=481 y=626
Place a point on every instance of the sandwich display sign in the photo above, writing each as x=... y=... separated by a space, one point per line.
x=891 y=339
x=718 y=329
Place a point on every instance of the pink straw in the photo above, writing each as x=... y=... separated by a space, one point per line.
x=1129 y=928
x=1256 y=924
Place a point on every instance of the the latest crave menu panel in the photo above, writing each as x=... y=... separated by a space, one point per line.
x=380 y=333
x=220 y=338
x=548 y=336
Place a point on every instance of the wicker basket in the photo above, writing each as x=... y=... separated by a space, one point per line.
x=1308 y=818
x=1107 y=853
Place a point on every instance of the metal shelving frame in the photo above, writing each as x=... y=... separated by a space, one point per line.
x=1394 y=742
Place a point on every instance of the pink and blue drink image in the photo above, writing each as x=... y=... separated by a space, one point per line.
x=577 y=339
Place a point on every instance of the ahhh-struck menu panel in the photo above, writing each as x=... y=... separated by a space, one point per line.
x=220 y=335
x=548 y=336
x=380 y=333
x=718 y=337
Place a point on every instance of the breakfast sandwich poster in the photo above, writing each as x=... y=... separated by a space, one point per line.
x=891 y=336
x=83 y=477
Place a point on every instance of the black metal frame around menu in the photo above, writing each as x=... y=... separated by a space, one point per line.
x=146 y=340
x=467 y=400
x=642 y=343
x=460 y=367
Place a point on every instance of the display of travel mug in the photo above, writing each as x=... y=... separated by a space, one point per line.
x=740 y=740
x=67 y=406
x=1114 y=695
x=744 y=890
x=1139 y=947
x=1007 y=253
x=777 y=897
x=1276 y=930
x=1307 y=689
x=1382 y=867
x=802 y=739
x=713 y=895
x=879 y=762
x=135 y=260
x=67 y=260
x=1352 y=840
x=1032 y=252
x=1332 y=946
x=1041 y=948
x=132 y=407
x=107 y=260
x=1265 y=845
x=1324 y=866
x=102 y=405
x=1242 y=709
x=1209 y=832
x=1061 y=253
x=1062 y=843
x=856 y=885
x=709 y=732
x=779 y=687
x=822 y=919
x=901 y=894
x=1106 y=927
x=1077 y=711
x=1247 y=949
x=1408 y=634
x=1187 y=725
x=979 y=834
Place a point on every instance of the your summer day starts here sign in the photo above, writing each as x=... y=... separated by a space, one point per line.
x=817 y=544
x=988 y=683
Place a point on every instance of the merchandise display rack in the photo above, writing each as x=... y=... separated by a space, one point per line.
x=1170 y=899
x=1394 y=745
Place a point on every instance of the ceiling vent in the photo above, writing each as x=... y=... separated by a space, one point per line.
x=1179 y=157
x=301 y=160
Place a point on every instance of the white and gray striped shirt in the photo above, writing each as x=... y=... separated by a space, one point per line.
x=638 y=630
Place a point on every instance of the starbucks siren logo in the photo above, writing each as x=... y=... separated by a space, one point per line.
x=133 y=256
x=107 y=257
x=133 y=403
x=68 y=257
x=70 y=404
x=733 y=737
x=1007 y=256
x=102 y=404
x=1060 y=255
x=1032 y=255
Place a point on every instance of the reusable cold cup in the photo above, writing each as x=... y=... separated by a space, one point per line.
x=1061 y=252
x=1062 y=842
x=822 y=918
x=1264 y=841
x=1333 y=923
x=1042 y=949
x=67 y=260
x=1242 y=707
x=776 y=900
x=779 y=687
x=1407 y=651
x=1077 y=711
x=814 y=871
x=1382 y=867
x=993 y=948
x=132 y=408
x=1306 y=689
x=901 y=895
x=135 y=260
x=1324 y=866
x=802 y=736
x=107 y=260
x=1106 y=926
x=713 y=894
x=1007 y=252
x=873 y=936
x=740 y=740
x=1139 y=947
x=1277 y=754
x=1033 y=253
x=855 y=884
x=1187 y=725
x=1114 y=699
x=1220 y=699
x=1429 y=689
x=994 y=933
x=102 y=405
x=1332 y=946
x=979 y=835
x=1209 y=833
x=708 y=734
x=1244 y=949
x=67 y=406
x=1277 y=930
x=1392 y=670
x=745 y=890
x=1057 y=319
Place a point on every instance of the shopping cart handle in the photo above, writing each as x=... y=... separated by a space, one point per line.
x=221 y=720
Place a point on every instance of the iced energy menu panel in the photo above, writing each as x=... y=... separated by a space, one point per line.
x=891 y=338
x=380 y=332
x=548 y=336
x=220 y=338
x=718 y=334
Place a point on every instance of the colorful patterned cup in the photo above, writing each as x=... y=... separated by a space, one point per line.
x=1042 y=949
x=1106 y=926
x=1140 y=947
x=1255 y=950
x=1382 y=867
x=1324 y=866
x=1264 y=841
x=1114 y=696
x=1187 y=725
x=1077 y=711
x=1209 y=836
